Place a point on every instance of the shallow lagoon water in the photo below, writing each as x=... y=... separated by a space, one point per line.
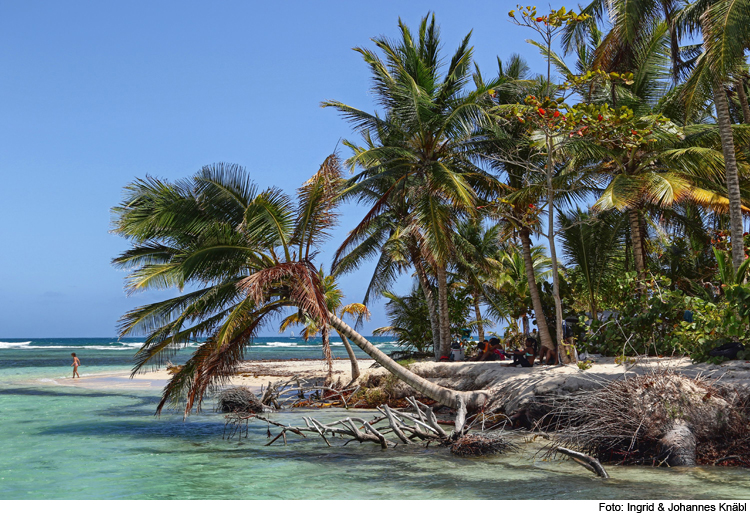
x=67 y=442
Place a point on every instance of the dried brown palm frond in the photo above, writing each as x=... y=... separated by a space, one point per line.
x=211 y=366
x=238 y=400
x=316 y=213
x=301 y=284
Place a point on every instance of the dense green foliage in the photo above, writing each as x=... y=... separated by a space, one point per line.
x=618 y=154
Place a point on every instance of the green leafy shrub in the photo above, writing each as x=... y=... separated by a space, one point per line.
x=654 y=321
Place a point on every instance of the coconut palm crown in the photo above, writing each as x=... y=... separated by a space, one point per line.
x=413 y=158
x=249 y=257
x=245 y=254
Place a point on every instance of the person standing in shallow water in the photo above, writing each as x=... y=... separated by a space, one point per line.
x=76 y=364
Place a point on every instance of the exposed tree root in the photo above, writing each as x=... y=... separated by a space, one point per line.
x=481 y=444
x=656 y=419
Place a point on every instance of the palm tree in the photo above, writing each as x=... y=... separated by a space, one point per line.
x=507 y=149
x=249 y=255
x=593 y=245
x=723 y=24
x=675 y=165
x=415 y=154
x=408 y=320
x=507 y=288
x=476 y=247
x=334 y=297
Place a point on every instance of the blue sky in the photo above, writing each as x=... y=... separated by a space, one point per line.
x=96 y=94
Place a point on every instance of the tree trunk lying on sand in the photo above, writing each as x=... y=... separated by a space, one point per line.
x=451 y=398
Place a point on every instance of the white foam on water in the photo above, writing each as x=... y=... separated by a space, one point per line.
x=20 y=344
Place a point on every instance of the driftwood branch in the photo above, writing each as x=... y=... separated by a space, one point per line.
x=586 y=461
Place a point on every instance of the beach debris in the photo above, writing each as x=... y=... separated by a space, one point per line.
x=238 y=400
x=661 y=418
x=589 y=462
x=473 y=444
x=301 y=392
x=420 y=425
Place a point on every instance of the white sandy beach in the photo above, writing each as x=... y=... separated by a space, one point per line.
x=490 y=375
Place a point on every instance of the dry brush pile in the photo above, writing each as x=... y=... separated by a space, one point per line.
x=658 y=418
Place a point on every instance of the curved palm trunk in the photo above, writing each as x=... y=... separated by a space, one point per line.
x=536 y=300
x=352 y=357
x=430 y=299
x=444 y=314
x=478 y=314
x=730 y=165
x=636 y=237
x=448 y=397
x=743 y=101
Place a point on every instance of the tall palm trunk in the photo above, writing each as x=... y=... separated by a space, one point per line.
x=429 y=298
x=444 y=314
x=553 y=257
x=352 y=357
x=730 y=166
x=478 y=313
x=525 y=322
x=740 y=85
x=448 y=397
x=536 y=300
x=636 y=237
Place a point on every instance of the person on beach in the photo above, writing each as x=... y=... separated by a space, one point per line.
x=481 y=347
x=76 y=364
x=525 y=357
x=493 y=352
x=548 y=356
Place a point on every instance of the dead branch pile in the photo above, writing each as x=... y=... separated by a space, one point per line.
x=398 y=427
x=481 y=444
x=238 y=400
x=654 y=419
x=300 y=392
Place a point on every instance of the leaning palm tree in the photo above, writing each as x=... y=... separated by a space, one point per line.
x=249 y=256
x=415 y=153
x=334 y=300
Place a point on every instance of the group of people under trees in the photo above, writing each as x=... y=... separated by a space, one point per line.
x=493 y=350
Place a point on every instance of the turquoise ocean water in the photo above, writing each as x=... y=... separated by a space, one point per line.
x=71 y=442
